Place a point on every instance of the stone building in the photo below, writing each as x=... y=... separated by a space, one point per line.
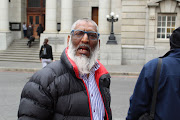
x=142 y=30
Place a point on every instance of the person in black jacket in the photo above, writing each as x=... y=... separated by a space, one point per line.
x=45 y=53
x=39 y=30
x=30 y=35
x=29 y=31
x=77 y=87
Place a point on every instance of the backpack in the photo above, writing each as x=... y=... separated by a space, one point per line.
x=44 y=52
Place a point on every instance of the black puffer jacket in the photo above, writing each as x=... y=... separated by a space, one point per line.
x=57 y=93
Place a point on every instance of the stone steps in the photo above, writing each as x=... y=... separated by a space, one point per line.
x=18 y=51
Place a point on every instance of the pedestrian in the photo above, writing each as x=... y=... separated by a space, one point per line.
x=74 y=88
x=29 y=31
x=39 y=30
x=167 y=105
x=45 y=53
x=30 y=35
x=24 y=29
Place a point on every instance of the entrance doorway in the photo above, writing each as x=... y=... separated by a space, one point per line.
x=95 y=14
x=35 y=20
x=36 y=14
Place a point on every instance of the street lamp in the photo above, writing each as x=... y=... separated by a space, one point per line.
x=111 y=18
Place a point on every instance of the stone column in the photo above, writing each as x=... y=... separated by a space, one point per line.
x=66 y=15
x=104 y=9
x=5 y=34
x=51 y=22
x=151 y=34
x=4 y=13
x=150 y=48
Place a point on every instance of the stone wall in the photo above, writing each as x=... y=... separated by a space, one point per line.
x=133 y=54
x=133 y=22
x=110 y=54
x=57 y=41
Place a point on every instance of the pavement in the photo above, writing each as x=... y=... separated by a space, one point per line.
x=129 y=70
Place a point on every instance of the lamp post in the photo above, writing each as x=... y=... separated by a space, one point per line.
x=112 y=19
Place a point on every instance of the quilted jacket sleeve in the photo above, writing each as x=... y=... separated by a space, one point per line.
x=36 y=102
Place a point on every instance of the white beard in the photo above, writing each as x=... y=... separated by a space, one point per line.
x=83 y=63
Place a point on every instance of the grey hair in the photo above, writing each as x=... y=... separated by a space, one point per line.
x=84 y=19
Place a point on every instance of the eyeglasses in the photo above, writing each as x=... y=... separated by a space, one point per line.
x=78 y=34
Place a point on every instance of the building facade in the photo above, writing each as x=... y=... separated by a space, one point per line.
x=142 y=30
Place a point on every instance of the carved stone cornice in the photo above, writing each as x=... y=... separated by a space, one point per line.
x=155 y=3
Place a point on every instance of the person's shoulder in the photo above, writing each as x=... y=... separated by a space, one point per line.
x=49 y=45
x=48 y=74
x=42 y=77
x=151 y=65
x=57 y=67
x=151 y=62
x=42 y=46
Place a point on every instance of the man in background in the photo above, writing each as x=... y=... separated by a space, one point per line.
x=168 y=94
x=39 y=30
x=24 y=29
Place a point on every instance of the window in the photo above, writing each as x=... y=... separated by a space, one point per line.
x=37 y=19
x=31 y=19
x=165 y=26
x=34 y=3
x=44 y=3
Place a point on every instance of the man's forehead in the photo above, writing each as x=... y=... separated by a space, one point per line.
x=85 y=25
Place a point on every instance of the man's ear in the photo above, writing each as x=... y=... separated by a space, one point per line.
x=68 y=40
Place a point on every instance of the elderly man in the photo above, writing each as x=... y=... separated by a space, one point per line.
x=74 y=88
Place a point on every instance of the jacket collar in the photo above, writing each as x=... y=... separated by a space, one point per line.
x=172 y=53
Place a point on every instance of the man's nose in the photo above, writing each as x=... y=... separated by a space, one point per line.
x=85 y=38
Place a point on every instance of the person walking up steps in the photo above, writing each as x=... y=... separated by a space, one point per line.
x=45 y=53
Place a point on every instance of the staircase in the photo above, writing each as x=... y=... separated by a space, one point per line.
x=18 y=51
